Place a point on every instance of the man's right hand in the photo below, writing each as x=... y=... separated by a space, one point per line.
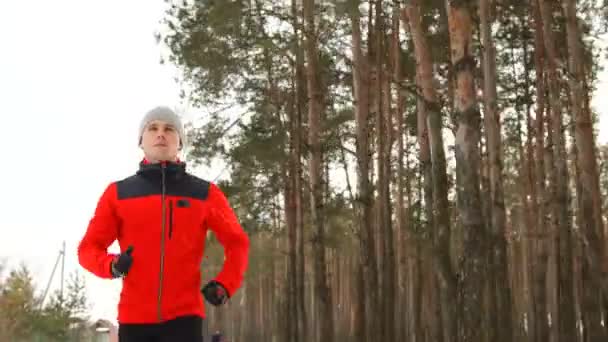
x=121 y=265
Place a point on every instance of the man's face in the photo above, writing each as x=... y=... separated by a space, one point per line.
x=160 y=141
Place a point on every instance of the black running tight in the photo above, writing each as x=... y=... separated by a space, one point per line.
x=182 y=329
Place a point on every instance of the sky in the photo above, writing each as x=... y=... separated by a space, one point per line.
x=75 y=79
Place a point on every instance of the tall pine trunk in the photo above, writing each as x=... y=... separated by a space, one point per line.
x=561 y=208
x=400 y=216
x=383 y=146
x=297 y=326
x=300 y=300
x=529 y=197
x=364 y=200
x=498 y=269
x=430 y=133
x=588 y=179
x=315 y=106
x=542 y=246
x=412 y=259
x=472 y=272
x=552 y=283
x=290 y=218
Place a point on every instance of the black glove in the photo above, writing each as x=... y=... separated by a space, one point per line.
x=215 y=293
x=121 y=265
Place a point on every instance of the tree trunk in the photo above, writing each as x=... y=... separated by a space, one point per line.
x=300 y=303
x=587 y=292
x=383 y=129
x=588 y=179
x=296 y=302
x=552 y=283
x=412 y=259
x=498 y=270
x=490 y=323
x=315 y=106
x=472 y=271
x=430 y=131
x=424 y=160
x=364 y=201
x=290 y=216
x=400 y=215
x=529 y=197
x=540 y=276
x=561 y=208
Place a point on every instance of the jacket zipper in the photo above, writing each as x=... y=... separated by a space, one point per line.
x=162 y=241
x=170 y=218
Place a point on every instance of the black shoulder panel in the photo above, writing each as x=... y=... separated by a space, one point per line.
x=190 y=186
x=137 y=186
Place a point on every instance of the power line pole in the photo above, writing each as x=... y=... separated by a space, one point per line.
x=61 y=256
x=62 y=267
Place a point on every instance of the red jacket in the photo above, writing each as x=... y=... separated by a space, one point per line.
x=164 y=213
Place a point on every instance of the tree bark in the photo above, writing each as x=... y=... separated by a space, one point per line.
x=588 y=178
x=529 y=196
x=472 y=273
x=296 y=302
x=561 y=208
x=587 y=291
x=540 y=275
x=498 y=270
x=300 y=303
x=552 y=283
x=414 y=276
x=290 y=217
x=400 y=214
x=430 y=133
x=315 y=106
x=383 y=129
x=364 y=200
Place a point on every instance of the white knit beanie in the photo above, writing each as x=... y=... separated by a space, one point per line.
x=167 y=115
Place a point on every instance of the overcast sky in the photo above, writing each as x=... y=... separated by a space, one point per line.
x=75 y=78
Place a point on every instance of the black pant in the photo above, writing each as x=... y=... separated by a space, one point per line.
x=181 y=329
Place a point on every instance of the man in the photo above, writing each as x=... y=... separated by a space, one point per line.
x=160 y=217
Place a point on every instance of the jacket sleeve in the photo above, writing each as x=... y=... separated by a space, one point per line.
x=100 y=234
x=224 y=223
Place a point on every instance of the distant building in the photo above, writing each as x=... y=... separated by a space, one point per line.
x=105 y=331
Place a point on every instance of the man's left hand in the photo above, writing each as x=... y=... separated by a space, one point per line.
x=215 y=293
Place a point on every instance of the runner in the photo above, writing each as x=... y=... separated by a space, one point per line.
x=160 y=217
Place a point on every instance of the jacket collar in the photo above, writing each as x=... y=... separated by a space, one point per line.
x=172 y=170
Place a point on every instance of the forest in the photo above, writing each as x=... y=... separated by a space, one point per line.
x=407 y=170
